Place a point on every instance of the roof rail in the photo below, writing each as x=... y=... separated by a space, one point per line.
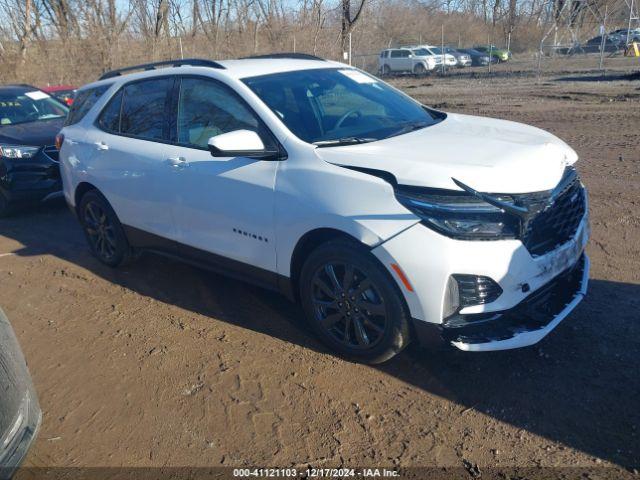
x=291 y=55
x=193 y=62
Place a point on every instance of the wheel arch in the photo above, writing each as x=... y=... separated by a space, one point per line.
x=309 y=242
x=81 y=190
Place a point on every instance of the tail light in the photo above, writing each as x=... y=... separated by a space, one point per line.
x=59 y=141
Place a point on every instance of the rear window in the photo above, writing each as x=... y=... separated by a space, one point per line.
x=84 y=100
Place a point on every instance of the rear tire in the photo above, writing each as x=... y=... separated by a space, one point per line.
x=386 y=71
x=352 y=303
x=103 y=231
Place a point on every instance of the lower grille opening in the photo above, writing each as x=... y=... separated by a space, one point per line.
x=533 y=313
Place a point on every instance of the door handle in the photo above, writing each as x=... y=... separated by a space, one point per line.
x=177 y=161
x=101 y=146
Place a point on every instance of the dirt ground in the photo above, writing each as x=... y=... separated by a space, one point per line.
x=161 y=364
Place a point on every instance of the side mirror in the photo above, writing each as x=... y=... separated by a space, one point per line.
x=411 y=55
x=241 y=143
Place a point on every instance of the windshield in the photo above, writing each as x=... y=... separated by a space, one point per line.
x=333 y=106
x=27 y=107
x=421 y=52
x=436 y=50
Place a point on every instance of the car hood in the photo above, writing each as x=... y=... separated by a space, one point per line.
x=33 y=133
x=490 y=155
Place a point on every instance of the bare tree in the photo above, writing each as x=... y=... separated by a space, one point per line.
x=349 y=19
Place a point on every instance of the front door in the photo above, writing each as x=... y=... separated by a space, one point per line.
x=221 y=205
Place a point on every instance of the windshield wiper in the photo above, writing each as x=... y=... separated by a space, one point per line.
x=409 y=127
x=343 y=141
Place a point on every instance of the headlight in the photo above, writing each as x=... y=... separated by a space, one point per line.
x=458 y=214
x=17 y=151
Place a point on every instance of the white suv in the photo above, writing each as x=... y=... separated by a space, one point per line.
x=387 y=220
x=406 y=60
x=448 y=59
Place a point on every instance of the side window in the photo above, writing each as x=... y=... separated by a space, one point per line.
x=207 y=108
x=143 y=108
x=84 y=100
x=109 y=119
x=396 y=53
x=405 y=53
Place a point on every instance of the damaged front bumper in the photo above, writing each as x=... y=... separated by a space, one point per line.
x=33 y=180
x=525 y=324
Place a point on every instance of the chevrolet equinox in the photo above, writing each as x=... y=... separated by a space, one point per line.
x=386 y=219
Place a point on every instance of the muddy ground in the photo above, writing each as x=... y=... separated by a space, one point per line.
x=161 y=364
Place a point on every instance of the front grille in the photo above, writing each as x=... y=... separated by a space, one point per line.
x=558 y=222
x=52 y=152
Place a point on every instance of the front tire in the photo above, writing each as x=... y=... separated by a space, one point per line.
x=352 y=303
x=419 y=70
x=103 y=230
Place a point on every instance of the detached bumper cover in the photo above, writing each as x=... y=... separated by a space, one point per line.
x=525 y=324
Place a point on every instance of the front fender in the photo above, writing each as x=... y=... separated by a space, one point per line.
x=313 y=194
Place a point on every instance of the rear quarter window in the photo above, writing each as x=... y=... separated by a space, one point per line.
x=84 y=100
x=109 y=119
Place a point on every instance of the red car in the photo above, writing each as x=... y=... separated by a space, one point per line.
x=64 y=93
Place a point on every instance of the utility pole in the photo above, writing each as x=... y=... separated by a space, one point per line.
x=603 y=42
x=444 y=70
x=633 y=15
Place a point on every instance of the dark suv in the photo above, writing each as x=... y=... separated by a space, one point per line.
x=29 y=122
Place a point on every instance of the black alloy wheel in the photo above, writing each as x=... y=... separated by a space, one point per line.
x=103 y=230
x=100 y=231
x=353 y=303
x=348 y=305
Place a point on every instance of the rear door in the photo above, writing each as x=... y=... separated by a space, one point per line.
x=223 y=205
x=396 y=61
x=406 y=60
x=130 y=162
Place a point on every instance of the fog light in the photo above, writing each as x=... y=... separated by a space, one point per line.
x=468 y=290
x=476 y=290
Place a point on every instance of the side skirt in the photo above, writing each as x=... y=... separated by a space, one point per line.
x=260 y=277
